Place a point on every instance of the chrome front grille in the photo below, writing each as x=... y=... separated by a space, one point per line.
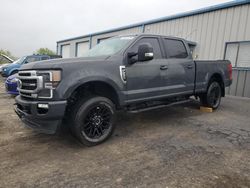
x=31 y=84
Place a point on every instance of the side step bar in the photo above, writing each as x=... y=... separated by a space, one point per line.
x=158 y=106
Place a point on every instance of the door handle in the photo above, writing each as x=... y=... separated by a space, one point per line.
x=163 y=67
x=190 y=66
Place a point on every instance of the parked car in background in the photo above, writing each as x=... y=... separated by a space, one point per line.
x=15 y=66
x=4 y=61
x=11 y=85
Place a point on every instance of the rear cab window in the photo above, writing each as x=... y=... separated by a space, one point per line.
x=175 y=48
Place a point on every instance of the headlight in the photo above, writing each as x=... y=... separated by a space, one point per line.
x=4 y=69
x=13 y=80
x=51 y=79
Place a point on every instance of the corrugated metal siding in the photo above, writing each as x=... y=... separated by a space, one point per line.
x=210 y=30
x=111 y=34
x=94 y=39
x=241 y=84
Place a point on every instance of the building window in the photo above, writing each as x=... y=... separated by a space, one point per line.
x=102 y=39
x=238 y=53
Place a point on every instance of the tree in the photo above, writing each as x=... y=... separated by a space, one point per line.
x=45 y=51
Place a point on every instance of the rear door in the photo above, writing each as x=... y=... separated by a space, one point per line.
x=144 y=79
x=181 y=69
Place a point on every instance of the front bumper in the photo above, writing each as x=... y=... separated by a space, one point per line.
x=3 y=74
x=48 y=122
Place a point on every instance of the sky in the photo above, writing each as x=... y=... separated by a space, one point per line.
x=27 y=25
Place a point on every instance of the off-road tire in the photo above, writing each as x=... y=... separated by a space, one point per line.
x=212 y=97
x=94 y=113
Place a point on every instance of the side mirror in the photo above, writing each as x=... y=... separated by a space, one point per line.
x=145 y=52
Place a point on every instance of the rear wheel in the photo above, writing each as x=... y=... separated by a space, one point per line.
x=212 y=97
x=93 y=120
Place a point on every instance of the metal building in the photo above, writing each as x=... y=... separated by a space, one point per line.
x=221 y=32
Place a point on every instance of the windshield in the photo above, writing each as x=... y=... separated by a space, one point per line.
x=20 y=60
x=109 y=46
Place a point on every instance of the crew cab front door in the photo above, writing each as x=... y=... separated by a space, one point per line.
x=144 y=80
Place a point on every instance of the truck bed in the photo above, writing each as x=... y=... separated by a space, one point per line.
x=204 y=70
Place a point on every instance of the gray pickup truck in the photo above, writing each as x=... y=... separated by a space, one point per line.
x=131 y=73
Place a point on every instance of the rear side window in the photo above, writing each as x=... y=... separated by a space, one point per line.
x=32 y=59
x=44 y=58
x=175 y=48
x=155 y=44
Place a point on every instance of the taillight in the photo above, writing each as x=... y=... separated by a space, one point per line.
x=230 y=71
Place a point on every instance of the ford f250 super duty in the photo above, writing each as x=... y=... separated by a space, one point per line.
x=132 y=73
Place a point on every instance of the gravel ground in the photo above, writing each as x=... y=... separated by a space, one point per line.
x=173 y=147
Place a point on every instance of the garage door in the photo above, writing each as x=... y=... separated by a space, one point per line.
x=82 y=47
x=66 y=51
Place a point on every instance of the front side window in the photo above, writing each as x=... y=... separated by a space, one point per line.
x=32 y=59
x=19 y=61
x=109 y=46
x=151 y=40
x=175 y=48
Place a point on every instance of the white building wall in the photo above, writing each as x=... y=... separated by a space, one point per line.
x=133 y=30
x=210 y=30
x=73 y=45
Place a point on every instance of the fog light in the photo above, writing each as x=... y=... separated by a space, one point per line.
x=44 y=106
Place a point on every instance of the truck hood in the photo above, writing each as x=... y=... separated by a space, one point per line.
x=4 y=65
x=62 y=63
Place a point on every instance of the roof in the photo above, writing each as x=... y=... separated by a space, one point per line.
x=166 y=18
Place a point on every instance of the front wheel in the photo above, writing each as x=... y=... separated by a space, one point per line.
x=93 y=120
x=212 y=97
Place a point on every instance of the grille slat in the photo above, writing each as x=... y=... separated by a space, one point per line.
x=31 y=84
x=28 y=84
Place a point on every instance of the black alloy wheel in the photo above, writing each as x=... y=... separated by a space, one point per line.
x=93 y=120
x=212 y=97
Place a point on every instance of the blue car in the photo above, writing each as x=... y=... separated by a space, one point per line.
x=15 y=66
x=11 y=85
